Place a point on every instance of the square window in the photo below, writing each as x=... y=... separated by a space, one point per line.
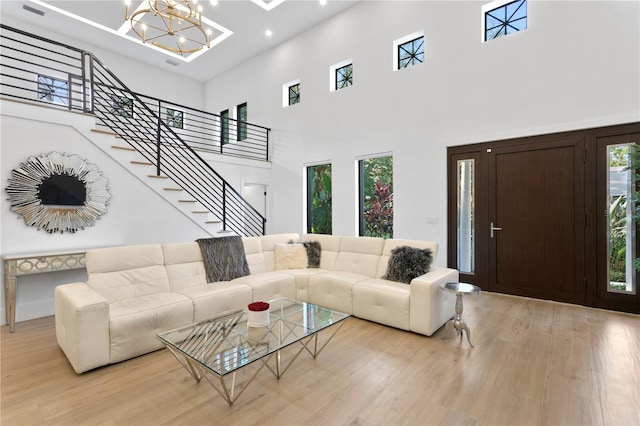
x=344 y=76
x=505 y=19
x=122 y=105
x=294 y=94
x=411 y=53
x=53 y=90
x=175 y=118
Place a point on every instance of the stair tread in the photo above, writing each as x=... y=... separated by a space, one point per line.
x=106 y=132
x=144 y=163
x=173 y=189
x=186 y=201
x=212 y=221
x=126 y=148
x=158 y=177
x=200 y=211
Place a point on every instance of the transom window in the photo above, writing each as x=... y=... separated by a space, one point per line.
x=294 y=94
x=505 y=19
x=53 y=90
x=411 y=53
x=175 y=118
x=344 y=76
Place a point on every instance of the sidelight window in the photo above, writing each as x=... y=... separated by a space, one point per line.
x=620 y=224
x=465 y=206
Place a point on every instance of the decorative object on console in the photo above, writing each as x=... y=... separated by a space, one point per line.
x=407 y=263
x=58 y=192
x=224 y=258
x=258 y=314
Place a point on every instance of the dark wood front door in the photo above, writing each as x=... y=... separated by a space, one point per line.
x=536 y=219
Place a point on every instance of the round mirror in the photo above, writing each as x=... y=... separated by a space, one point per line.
x=58 y=192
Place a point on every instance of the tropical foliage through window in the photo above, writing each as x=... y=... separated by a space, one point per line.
x=376 y=197
x=319 y=208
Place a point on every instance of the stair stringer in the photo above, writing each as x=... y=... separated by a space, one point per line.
x=170 y=191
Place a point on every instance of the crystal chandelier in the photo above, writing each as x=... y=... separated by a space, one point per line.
x=173 y=25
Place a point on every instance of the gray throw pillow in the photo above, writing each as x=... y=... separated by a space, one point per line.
x=407 y=263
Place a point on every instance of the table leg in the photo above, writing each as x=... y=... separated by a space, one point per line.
x=10 y=301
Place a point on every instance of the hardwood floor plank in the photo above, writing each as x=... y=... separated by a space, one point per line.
x=534 y=363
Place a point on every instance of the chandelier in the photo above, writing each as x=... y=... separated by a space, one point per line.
x=173 y=25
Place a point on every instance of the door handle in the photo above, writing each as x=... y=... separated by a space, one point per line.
x=493 y=228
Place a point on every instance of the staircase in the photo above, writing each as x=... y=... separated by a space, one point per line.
x=139 y=138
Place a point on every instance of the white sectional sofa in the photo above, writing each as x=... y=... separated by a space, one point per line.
x=134 y=292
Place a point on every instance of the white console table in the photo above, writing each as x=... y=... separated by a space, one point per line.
x=34 y=263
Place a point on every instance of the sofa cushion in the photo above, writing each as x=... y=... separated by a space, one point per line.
x=270 y=285
x=118 y=273
x=253 y=252
x=359 y=255
x=333 y=289
x=213 y=300
x=407 y=263
x=393 y=243
x=224 y=258
x=382 y=301
x=290 y=256
x=134 y=323
x=183 y=262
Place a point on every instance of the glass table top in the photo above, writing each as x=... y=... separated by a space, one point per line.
x=227 y=343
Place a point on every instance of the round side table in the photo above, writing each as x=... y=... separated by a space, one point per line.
x=460 y=289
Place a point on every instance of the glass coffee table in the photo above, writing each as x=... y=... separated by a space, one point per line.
x=223 y=349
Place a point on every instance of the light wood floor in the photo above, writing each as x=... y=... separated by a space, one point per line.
x=535 y=362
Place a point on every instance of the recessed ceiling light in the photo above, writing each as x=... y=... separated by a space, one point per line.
x=213 y=2
x=268 y=33
x=323 y=2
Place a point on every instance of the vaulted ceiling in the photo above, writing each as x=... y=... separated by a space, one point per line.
x=240 y=31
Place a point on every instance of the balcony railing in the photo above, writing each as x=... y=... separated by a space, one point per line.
x=46 y=71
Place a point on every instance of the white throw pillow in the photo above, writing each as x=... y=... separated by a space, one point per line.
x=290 y=256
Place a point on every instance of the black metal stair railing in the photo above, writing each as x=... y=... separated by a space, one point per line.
x=42 y=70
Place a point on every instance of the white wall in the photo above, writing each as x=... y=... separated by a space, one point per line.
x=136 y=214
x=576 y=66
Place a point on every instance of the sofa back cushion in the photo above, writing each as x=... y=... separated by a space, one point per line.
x=393 y=243
x=260 y=251
x=360 y=255
x=184 y=265
x=330 y=246
x=119 y=273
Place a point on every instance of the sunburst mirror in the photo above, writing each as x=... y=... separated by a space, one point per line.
x=58 y=192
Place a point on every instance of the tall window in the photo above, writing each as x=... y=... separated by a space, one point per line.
x=224 y=127
x=319 y=209
x=411 y=53
x=53 y=90
x=242 y=121
x=344 y=76
x=504 y=19
x=376 y=197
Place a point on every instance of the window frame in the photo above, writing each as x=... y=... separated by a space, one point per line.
x=500 y=4
x=224 y=127
x=242 y=112
x=171 y=120
x=413 y=57
x=64 y=100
